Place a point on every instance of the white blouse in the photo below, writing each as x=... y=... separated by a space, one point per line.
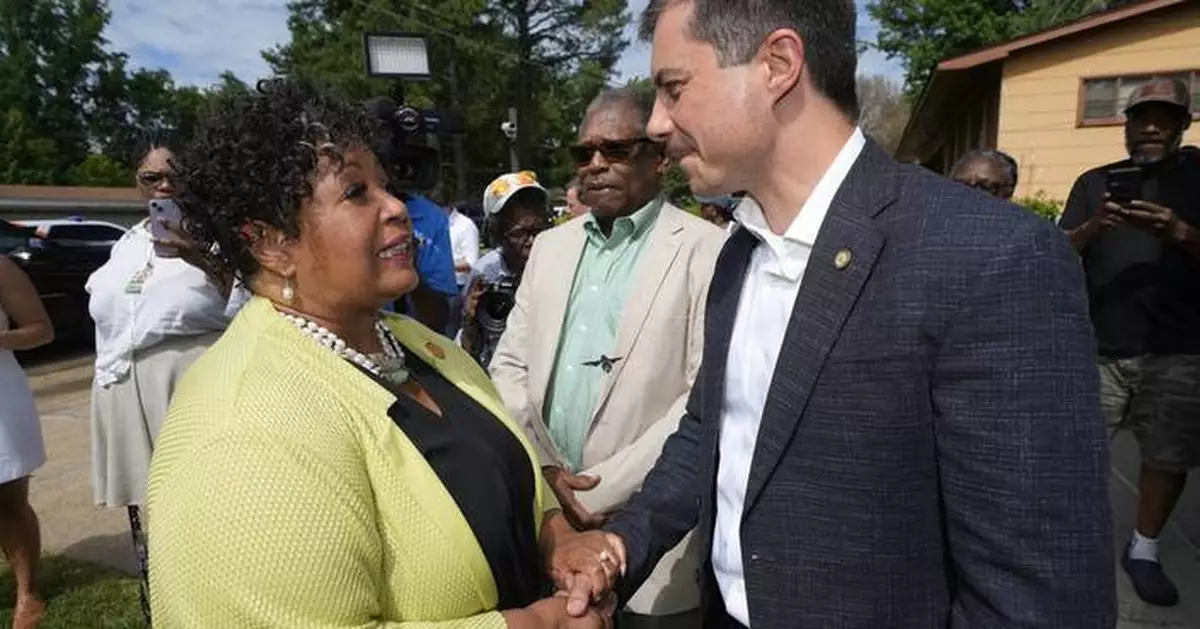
x=138 y=299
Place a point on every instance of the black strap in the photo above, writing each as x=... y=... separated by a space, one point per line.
x=140 y=549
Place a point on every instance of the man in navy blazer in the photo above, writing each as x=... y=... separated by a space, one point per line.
x=896 y=424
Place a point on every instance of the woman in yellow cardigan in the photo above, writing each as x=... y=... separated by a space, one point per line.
x=323 y=465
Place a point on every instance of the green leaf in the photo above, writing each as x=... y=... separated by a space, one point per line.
x=921 y=33
x=1041 y=205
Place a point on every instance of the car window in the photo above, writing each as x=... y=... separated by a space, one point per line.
x=92 y=234
x=9 y=242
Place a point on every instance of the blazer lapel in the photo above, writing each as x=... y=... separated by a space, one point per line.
x=662 y=247
x=552 y=304
x=724 y=293
x=847 y=248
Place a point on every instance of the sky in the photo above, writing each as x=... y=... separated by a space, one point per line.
x=196 y=41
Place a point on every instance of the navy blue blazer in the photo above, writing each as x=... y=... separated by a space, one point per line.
x=932 y=452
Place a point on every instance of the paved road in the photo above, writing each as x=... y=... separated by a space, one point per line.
x=61 y=490
x=70 y=524
x=1178 y=547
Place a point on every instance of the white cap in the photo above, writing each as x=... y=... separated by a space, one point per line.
x=505 y=186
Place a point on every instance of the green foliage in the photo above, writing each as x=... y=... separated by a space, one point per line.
x=102 y=171
x=1041 y=205
x=689 y=205
x=127 y=105
x=74 y=111
x=641 y=84
x=25 y=157
x=52 y=54
x=921 y=33
x=675 y=183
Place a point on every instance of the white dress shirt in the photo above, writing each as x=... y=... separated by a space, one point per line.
x=464 y=242
x=769 y=293
x=138 y=299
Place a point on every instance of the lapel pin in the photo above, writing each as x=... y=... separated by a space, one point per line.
x=434 y=350
x=605 y=363
x=842 y=259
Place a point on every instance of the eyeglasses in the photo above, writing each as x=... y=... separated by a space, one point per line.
x=521 y=234
x=152 y=178
x=611 y=151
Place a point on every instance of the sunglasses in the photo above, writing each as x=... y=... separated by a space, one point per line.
x=152 y=178
x=611 y=151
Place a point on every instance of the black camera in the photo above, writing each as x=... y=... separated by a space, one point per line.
x=404 y=149
x=499 y=297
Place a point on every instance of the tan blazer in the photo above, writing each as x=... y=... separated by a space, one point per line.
x=642 y=399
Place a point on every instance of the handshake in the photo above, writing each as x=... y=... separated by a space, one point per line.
x=585 y=568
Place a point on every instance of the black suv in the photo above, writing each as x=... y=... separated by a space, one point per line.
x=59 y=266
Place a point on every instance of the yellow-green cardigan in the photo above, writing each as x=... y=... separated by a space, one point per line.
x=282 y=495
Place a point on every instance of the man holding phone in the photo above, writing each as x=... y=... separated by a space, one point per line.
x=1135 y=225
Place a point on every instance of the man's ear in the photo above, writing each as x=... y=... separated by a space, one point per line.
x=781 y=55
x=271 y=248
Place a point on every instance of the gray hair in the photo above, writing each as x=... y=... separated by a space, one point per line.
x=999 y=158
x=737 y=28
x=637 y=101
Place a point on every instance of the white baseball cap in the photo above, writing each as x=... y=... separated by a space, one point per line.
x=505 y=186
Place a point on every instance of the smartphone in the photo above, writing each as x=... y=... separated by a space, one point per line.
x=164 y=212
x=1124 y=184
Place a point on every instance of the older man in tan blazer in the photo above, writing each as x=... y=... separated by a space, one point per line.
x=605 y=338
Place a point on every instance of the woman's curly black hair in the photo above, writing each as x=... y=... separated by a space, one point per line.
x=252 y=162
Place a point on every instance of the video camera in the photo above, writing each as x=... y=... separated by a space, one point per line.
x=499 y=297
x=407 y=157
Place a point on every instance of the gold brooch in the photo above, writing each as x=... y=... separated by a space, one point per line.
x=841 y=260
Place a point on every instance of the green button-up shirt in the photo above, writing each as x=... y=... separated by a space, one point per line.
x=602 y=280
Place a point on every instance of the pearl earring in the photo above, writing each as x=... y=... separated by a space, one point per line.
x=289 y=293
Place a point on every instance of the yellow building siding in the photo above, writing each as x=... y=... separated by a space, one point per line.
x=1039 y=95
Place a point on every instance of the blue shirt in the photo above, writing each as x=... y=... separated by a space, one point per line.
x=435 y=258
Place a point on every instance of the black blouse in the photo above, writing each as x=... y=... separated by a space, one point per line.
x=488 y=473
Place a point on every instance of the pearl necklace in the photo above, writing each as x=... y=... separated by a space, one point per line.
x=388 y=366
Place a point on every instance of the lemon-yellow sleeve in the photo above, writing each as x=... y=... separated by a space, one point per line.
x=255 y=531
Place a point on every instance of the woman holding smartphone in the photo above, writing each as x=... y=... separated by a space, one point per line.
x=155 y=313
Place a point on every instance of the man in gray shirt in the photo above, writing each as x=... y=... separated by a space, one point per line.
x=517 y=209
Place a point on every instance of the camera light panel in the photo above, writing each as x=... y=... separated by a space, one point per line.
x=396 y=56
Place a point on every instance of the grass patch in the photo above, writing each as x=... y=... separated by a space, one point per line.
x=79 y=595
